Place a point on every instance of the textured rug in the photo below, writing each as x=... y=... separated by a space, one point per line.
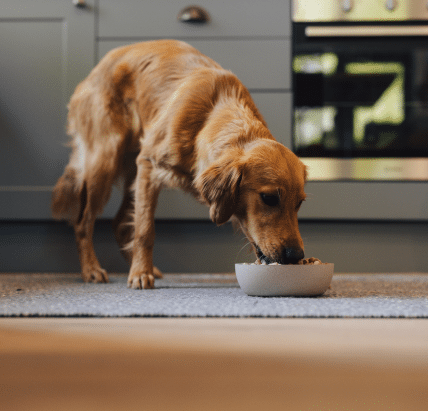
x=209 y=295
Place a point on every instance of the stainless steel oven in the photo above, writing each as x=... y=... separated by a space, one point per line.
x=361 y=88
x=360 y=84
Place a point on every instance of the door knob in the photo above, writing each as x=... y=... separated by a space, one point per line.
x=81 y=4
x=194 y=14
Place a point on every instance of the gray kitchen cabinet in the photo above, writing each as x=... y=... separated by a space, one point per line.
x=228 y=18
x=47 y=47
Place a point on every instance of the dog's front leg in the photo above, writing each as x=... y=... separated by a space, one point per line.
x=146 y=195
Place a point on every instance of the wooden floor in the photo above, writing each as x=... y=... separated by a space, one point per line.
x=214 y=364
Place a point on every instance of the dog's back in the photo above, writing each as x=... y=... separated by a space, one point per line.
x=146 y=74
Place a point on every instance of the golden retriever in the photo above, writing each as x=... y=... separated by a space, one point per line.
x=161 y=114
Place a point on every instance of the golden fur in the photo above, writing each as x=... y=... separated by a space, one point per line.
x=161 y=114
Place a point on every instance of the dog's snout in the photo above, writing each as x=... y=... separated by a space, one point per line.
x=291 y=255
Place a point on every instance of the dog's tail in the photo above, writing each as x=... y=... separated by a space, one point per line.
x=69 y=197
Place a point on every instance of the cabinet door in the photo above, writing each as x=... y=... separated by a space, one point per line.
x=228 y=18
x=47 y=47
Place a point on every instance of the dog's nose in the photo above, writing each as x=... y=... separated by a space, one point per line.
x=291 y=255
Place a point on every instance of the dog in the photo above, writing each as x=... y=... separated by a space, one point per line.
x=161 y=114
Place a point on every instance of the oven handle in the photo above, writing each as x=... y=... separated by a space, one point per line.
x=366 y=31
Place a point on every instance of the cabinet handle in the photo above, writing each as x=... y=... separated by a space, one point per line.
x=194 y=14
x=81 y=4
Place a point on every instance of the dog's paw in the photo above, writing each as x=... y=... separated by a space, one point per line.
x=141 y=280
x=157 y=273
x=94 y=275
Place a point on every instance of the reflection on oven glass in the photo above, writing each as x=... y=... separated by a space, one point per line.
x=377 y=125
x=352 y=106
x=357 y=109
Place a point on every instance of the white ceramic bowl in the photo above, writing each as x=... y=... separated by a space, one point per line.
x=284 y=280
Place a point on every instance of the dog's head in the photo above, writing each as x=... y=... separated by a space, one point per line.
x=262 y=188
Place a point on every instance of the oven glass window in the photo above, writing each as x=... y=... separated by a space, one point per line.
x=360 y=102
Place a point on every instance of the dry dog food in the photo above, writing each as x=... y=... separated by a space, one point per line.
x=304 y=261
x=311 y=260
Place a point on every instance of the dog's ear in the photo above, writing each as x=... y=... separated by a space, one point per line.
x=218 y=186
x=305 y=173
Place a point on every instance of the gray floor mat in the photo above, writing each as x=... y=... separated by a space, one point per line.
x=209 y=295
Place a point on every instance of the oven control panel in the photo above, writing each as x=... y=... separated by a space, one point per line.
x=359 y=10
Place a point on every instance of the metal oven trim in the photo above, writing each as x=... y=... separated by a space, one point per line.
x=366 y=31
x=366 y=169
x=359 y=10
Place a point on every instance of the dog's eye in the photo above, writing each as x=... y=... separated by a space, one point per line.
x=271 y=200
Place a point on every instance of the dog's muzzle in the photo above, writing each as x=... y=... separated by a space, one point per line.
x=289 y=255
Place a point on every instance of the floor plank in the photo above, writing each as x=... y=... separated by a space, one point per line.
x=213 y=364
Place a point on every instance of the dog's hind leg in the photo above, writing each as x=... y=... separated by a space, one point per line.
x=123 y=222
x=71 y=201
x=84 y=229
x=123 y=225
x=99 y=178
x=81 y=194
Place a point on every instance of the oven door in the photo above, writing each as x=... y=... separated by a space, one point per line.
x=361 y=100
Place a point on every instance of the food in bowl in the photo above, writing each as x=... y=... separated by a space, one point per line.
x=310 y=277
x=303 y=261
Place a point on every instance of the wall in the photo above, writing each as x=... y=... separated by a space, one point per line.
x=200 y=246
